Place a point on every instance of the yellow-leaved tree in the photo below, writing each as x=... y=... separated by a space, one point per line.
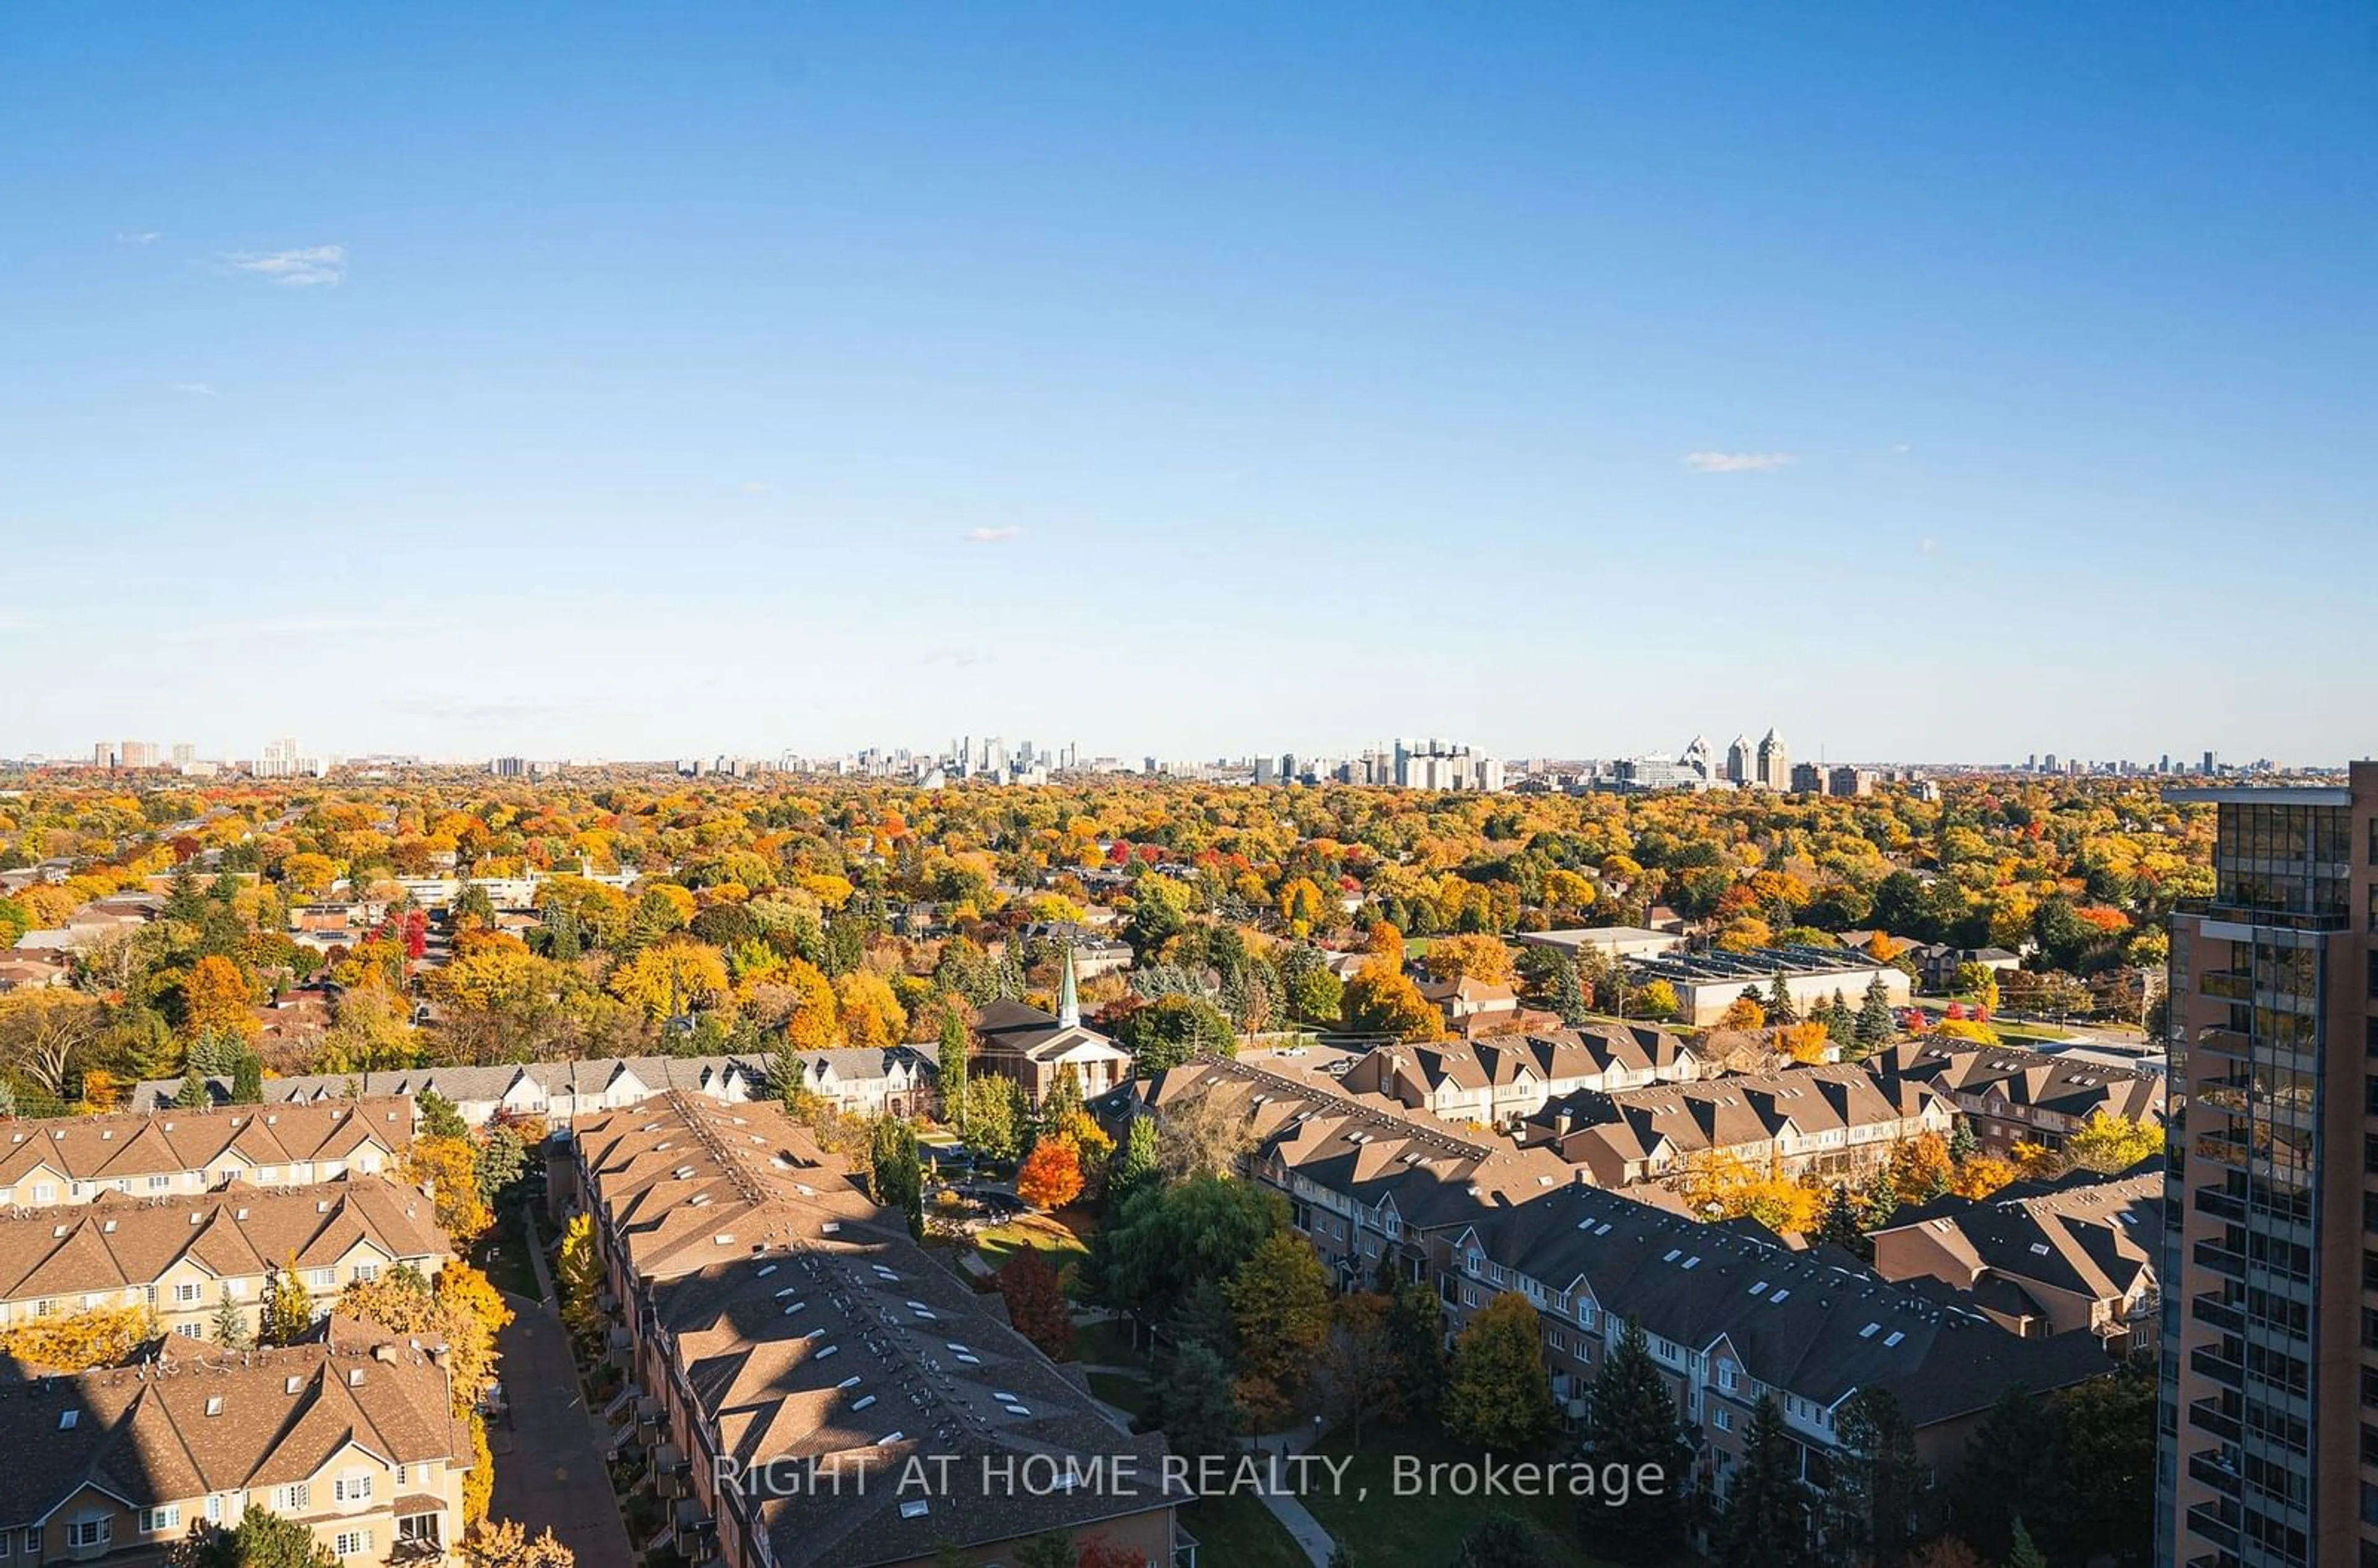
x=670 y=979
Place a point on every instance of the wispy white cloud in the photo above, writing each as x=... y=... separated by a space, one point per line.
x=991 y=536
x=753 y=487
x=144 y=236
x=303 y=268
x=196 y=389
x=1902 y=446
x=1738 y=462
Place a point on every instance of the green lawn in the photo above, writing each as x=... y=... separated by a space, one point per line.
x=1239 y=1532
x=1129 y=1396
x=1058 y=1239
x=1107 y=1344
x=1387 y=1531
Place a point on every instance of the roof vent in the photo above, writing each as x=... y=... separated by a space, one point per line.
x=354 y=1377
x=214 y=1406
x=66 y=1419
x=293 y=1385
x=862 y=1402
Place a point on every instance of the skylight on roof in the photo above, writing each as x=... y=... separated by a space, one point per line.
x=1893 y=1337
x=1869 y=1330
x=1777 y=1299
x=914 y=1508
x=1759 y=1287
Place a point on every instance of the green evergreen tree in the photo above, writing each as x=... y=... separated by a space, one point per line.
x=1566 y=995
x=438 y=1117
x=195 y=1094
x=1877 y=1481
x=1632 y=1422
x=1135 y=1165
x=248 y=1080
x=214 y=1055
x=1416 y=1322
x=1197 y=1402
x=1779 y=1002
x=1049 y=1548
x=950 y=1067
x=1842 y=1223
x=2024 y=1552
x=897 y=1170
x=1963 y=1144
x=231 y=1330
x=1766 y=1517
x=1877 y=1027
x=1881 y=1199
x=1841 y=1023
x=2003 y=1473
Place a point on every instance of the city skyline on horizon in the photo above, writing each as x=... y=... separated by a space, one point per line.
x=280 y=749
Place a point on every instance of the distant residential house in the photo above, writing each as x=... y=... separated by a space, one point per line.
x=2013 y=1095
x=33 y=969
x=1835 y=1120
x=1937 y=963
x=2045 y=1259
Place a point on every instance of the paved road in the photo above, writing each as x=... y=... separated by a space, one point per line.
x=548 y=1468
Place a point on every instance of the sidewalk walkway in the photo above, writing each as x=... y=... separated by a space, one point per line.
x=1293 y=1517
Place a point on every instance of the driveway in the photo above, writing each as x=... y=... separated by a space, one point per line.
x=549 y=1470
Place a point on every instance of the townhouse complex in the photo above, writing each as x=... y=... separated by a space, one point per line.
x=2041 y=1259
x=1731 y=1315
x=1500 y=1080
x=153 y=1153
x=2012 y=1096
x=361 y=1444
x=776 y=1325
x=1836 y=1121
x=895 y=1080
x=186 y=1257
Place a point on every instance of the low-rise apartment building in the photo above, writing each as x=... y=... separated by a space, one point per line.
x=2017 y=1096
x=361 y=1444
x=185 y=1257
x=1708 y=983
x=1731 y=1319
x=50 y=1160
x=769 y=1313
x=1837 y=1120
x=2043 y=1258
x=1497 y=1081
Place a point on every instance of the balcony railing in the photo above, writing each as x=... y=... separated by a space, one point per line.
x=2219 y=1258
x=2206 y=1416
x=2207 y=1465
x=2217 y=1522
x=2216 y=1313
x=2210 y=1363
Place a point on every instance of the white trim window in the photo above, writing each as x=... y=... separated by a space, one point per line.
x=153 y=1520
x=353 y=1486
x=89 y=1530
x=186 y=1293
x=352 y=1543
x=293 y=1497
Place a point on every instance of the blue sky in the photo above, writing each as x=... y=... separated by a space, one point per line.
x=1943 y=382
